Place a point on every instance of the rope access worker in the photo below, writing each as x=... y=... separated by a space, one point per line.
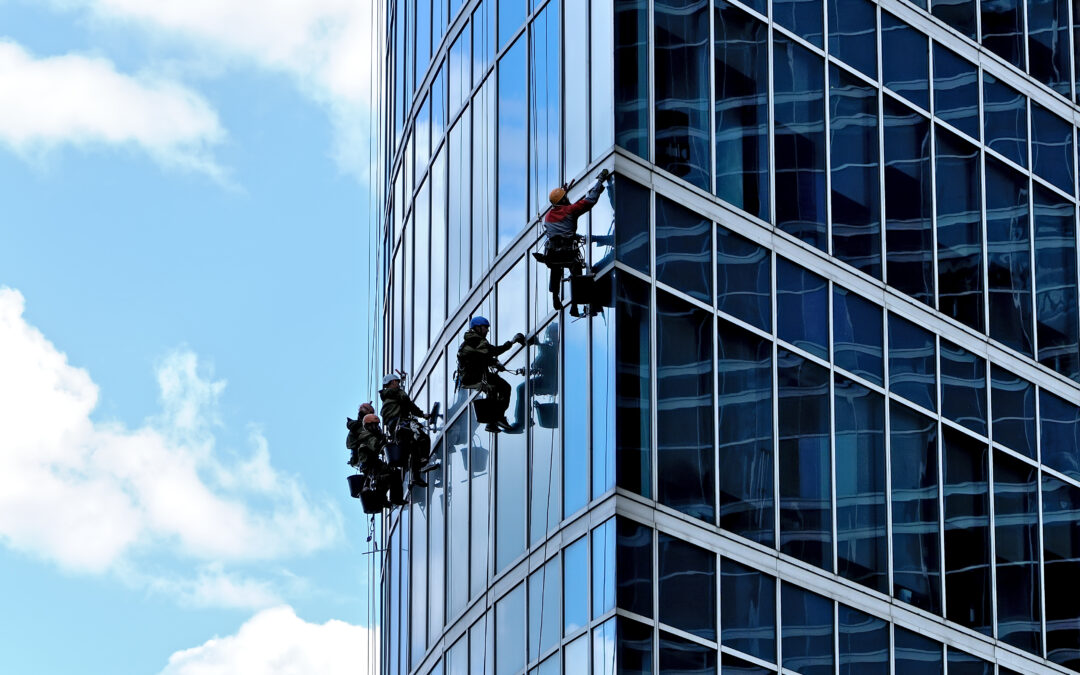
x=400 y=413
x=366 y=441
x=560 y=227
x=478 y=367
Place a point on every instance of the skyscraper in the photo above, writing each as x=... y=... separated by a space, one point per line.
x=827 y=419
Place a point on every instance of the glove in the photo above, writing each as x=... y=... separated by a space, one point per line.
x=603 y=176
x=519 y=338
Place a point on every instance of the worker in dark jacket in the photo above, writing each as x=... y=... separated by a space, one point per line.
x=397 y=410
x=477 y=362
x=366 y=441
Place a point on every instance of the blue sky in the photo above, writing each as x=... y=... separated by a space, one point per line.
x=184 y=289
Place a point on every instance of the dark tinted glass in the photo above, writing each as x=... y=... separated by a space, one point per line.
x=632 y=73
x=908 y=202
x=807 y=629
x=682 y=657
x=960 y=14
x=1061 y=556
x=748 y=610
x=967 y=531
x=633 y=551
x=1052 y=147
x=864 y=643
x=799 y=116
x=681 y=56
x=963 y=387
x=683 y=249
x=911 y=362
x=861 y=548
x=735 y=665
x=743 y=279
x=1008 y=256
x=956 y=90
x=1013 y=403
x=1004 y=119
x=632 y=211
x=802 y=17
x=853 y=34
x=513 y=145
x=905 y=64
x=855 y=187
x=857 y=335
x=1003 y=29
x=1048 y=43
x=742 y=109
x=959 y=231
x=805 y=501
x=916 y=565
x=916 y=655
x=1060 y=427
x=1055 y=283
x=962 y=663
x=687 y=578
x=635 y=647
x=633 y=437
x=684 y=407
x=802 y=308
x=744 y=399
x=1016 y=531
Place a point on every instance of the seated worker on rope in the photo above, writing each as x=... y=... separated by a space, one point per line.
x=478 y=367
x=366 y=441
x=561 y=251
x=402 y=418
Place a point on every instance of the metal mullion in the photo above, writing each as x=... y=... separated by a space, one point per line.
x=933 y=188
x=771 y=96
x=889 y=569
x=993 y=543
x=836 y=636
x=805 y=355
x=775 y=408
x=853 y=72
x=1042 y=523
x=832 y=432
x=1030 y=174
x=651 y=67
x=801 y=41
x=713 y=98
x=1072 y=55
x=941 y=514
x=715 y=393
x=881 y=151
x=655 y=582
x=827 y=120
x=872 y=386
x=654 y=362
x=1053 y=188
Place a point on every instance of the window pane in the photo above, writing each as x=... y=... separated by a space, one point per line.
x=603 y=568
x=1004 y=119
x=633 y=386
x=967 y=531
x=635 y=647
x=860 y=485
x=418 y=580
x=684 y=407
x=687 y=578
x=856 y=191
x=807 y=629
x=632 y=211
x=511 y=16
x=1052 y=147
x=510 y=632
x=799 y=112
x=962 y=663
x=853 y=34
x=682 y=657
x=1055 y=284
x=802 y=17
x=576 y=657
x=544 y=53
x=1008 y=256
x=742 y=113
x=857 y=335
x=633 y=543
x=916 y=565
x=632 y=73
x=1060 y=426
x=960 y=14
x=1048 y=43
x=956 y=90
x=575 y=417
x=456 y=442
x=805 y=501
x=421 y=231
x=483 y=26
x=746 y=449
x=748 y=610
x=575 y=597
x=963 y=387
x=511 y=486
x=683 y=249
x=458 y=244
x=916 y=655
x=911 y=362
x=1014 y=411
x=604 y=648
x=602 y=70
x=1003 y=30
x=480 y=517
x=682 y=89
x=905 y=60
x=542 y=415
x=483 y=197
x=460 y=69
x=802 y=308
x=1016 y=530
x=605 y=370
x=513 y=143
x=908 y=202
x=482 y=645
x=864 y=643
x=743 y=279
x=436 y=552
x=1061 y=556
x=736 y=666
x=544 y=608
x=575 y=87
x=959 y=231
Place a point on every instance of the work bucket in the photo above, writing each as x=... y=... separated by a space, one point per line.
x=395 y=455
x=581 y=289
x=547 y=414
x=372 y=500
x=487 y=410
x=356 y=485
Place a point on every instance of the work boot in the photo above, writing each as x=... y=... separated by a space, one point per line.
x=492 y=427
x=417 y=481
x=540 y=257
x=557 y=303
x=431 y=465
x=504 y=424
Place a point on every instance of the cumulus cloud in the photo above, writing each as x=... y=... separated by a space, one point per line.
x=277 y=642
x=81 y=100
x=94 y=496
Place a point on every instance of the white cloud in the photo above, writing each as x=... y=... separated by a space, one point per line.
x=95 y=496
x=277 y=642
x=83 y=101
x=212 y=586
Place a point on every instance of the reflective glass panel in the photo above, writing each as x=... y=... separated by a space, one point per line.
x=686 y=576
x=959 y=231
x=483 y=26
x=684 y=418
x=459 y=217
x=513 y=143
x=799 y=140
x=746 y=450
x=576 y=657
x=682 y=657
x=960 y=14
x=802 y=308
x=802 y=17
x=510 y=308
x=956 y=90
x=483 y=198
x=603 y=568
x=480 y=525
x=967 y=531
x=633 y=386
x=908 y=202
x=916 y=655
x=807 y=629
x=421 y=20
x=633 y=549
x=482 y=645
x=511 y=486
x=861 y=536
x=855 y=187
x=683 y=249
x=438 y=248
x=575 y=88
x=604 y=648
x=544 y=609
x=602 y=70
x=735 y=665
x=743 y=279
x=437 y=546
x=575 y=597
x=1048 y=43
x=742 y=112
x=916 y=564
x=457 y=658
x=963 y=387
x=575 y=416
x=864 y=643
x=1013 y=403
x=911 y=362
x=635 y=647
x=962 y=663
x=421 y=231
x=510 y=632
x=418 y=555
x=632 y=211
x=1016 y=549
x=748 y=610
x=456 y=465
x=1008 y=256
x=853 y=34
x=1055 y=283
x=905 y=66
x=632 y=76
x=1061 y=558
x=858 y=335
x=1003 y=29
x=805 y=472
x=511 y=16
x=544 y=127
x=1004 y=119
x=540 y=412
x=1052 y=147
x=1060 y=427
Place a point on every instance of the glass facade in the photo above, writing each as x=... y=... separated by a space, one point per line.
x=826 y=417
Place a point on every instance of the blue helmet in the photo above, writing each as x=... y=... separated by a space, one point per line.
x=479 y=321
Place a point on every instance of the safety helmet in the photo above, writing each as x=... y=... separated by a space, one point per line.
x=479 y=321
x=371 y=418
x=556 y=195
x=365 y=409
x=387 y=379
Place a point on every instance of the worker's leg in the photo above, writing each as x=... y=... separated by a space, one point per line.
x=555 y=286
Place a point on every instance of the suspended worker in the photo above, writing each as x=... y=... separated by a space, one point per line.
x=561 y=250
x=402 y=418
x=366 y=441
x=478 y=367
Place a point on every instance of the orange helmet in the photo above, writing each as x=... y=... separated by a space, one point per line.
x=371 y=417
x=557 y=195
